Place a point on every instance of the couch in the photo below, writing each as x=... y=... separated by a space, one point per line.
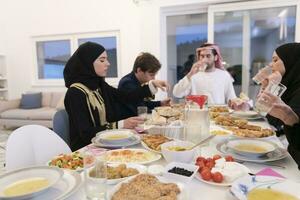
x=11 y=115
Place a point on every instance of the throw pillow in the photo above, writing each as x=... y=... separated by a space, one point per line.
x=30 y=101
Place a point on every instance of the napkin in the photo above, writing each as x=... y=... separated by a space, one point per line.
x=269 y=172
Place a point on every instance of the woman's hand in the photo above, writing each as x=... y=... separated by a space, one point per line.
x=279 y=109
x=132 y=122
x=275 y=77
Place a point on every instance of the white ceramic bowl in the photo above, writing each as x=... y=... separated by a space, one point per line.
x=178 y=177
x=116 y=136
x=251 y=147
x=186 y=156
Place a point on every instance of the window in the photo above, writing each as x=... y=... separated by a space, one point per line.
x=52 y=57
x=52 y=54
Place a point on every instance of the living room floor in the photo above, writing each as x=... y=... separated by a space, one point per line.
x=3 y=138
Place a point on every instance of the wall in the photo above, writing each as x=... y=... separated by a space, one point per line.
x=51 y=17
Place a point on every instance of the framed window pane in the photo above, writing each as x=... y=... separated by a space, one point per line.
x=110 y=44
x=267 y=29
x=52 y=57
x=185 y=33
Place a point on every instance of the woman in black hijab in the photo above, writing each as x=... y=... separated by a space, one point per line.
x=285 y=113
x=91 y=103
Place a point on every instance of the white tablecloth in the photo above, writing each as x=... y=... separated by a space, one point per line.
x=199 y=190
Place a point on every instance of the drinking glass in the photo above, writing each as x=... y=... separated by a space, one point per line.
x=262 y=74
x=274 y=88
x=95 y=174
x=142 y=111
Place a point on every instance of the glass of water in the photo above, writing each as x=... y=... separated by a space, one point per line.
x=142 y=111
x=95 y=174
x=262 y=74
x=274 y=88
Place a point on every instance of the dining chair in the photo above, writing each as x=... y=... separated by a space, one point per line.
x=32 y=145
x=61 y=125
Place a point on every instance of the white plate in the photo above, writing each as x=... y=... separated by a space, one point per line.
x=133 y=141
x=243 y=168
x=140 y=168
x=268 y=146
x=182 y=196
x=278 y=154
x=154 y=156
x=148 y=148
x=127 y=134
x=64 y=188
x=249 y=113
x=49 y=173
x=242 y=186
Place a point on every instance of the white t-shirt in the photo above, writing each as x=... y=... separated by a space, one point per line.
x=217 y=85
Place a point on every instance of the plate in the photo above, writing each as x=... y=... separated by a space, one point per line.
x=99 y=143
x=148 y=148
x=70 y=182
x=140 y=168
x=75 y=156
x=250 y=115
x=116 y=136
x=51 y=174
x=242 y=186
x=131 y=156
x=251 y=147
x=242 y=171
x=278 y=154
x=182 y=196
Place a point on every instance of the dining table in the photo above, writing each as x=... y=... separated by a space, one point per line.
x=197 y=190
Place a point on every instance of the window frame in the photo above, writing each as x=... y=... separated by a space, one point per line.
x=73 y=39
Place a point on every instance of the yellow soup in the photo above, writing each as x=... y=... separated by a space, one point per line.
x=116 y=137
x=250 y=148
x=219 y=132
x=269 y=194
x=177 y=148
x=25 y=186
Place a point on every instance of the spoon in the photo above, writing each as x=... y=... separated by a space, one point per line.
x=202 y=141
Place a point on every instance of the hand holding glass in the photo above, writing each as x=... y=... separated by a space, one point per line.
x=262 y=74
x=142 y=111
x=263 y=107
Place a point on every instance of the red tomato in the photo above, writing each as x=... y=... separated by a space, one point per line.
x=210 y=164
x=217 y=177
x=200 y=164
x=229 y=159
x=200 y=158
x=206 y=175
x=216 y=157
x=203 y=169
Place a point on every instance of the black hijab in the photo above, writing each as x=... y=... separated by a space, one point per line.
x=290 y=55
x=80 y=69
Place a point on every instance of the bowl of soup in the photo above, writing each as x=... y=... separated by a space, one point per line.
x=116 y=136
x=251 y=147
x=178 y=151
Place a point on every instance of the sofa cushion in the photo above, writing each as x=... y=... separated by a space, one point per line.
x=45 y=113
x=30 y=101
x=56 y=96
x=46 y=99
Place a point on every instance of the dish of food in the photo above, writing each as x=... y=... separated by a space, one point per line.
x=72 y=161
x=145 y=186
x=219 y=171
x=251 y=147
x=250 y=114
x=135 y=139
x=116 y=136
x=119 y=172
x=277 y=154
x=219 y=109
x=246 y=133
x=264 y=187
x=139 y=156
x=165 y=115
x=28 y=182
x=153 y=142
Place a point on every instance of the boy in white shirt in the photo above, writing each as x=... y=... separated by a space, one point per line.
x=207 y=77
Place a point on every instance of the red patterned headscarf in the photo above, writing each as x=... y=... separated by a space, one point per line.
x=211 y=46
